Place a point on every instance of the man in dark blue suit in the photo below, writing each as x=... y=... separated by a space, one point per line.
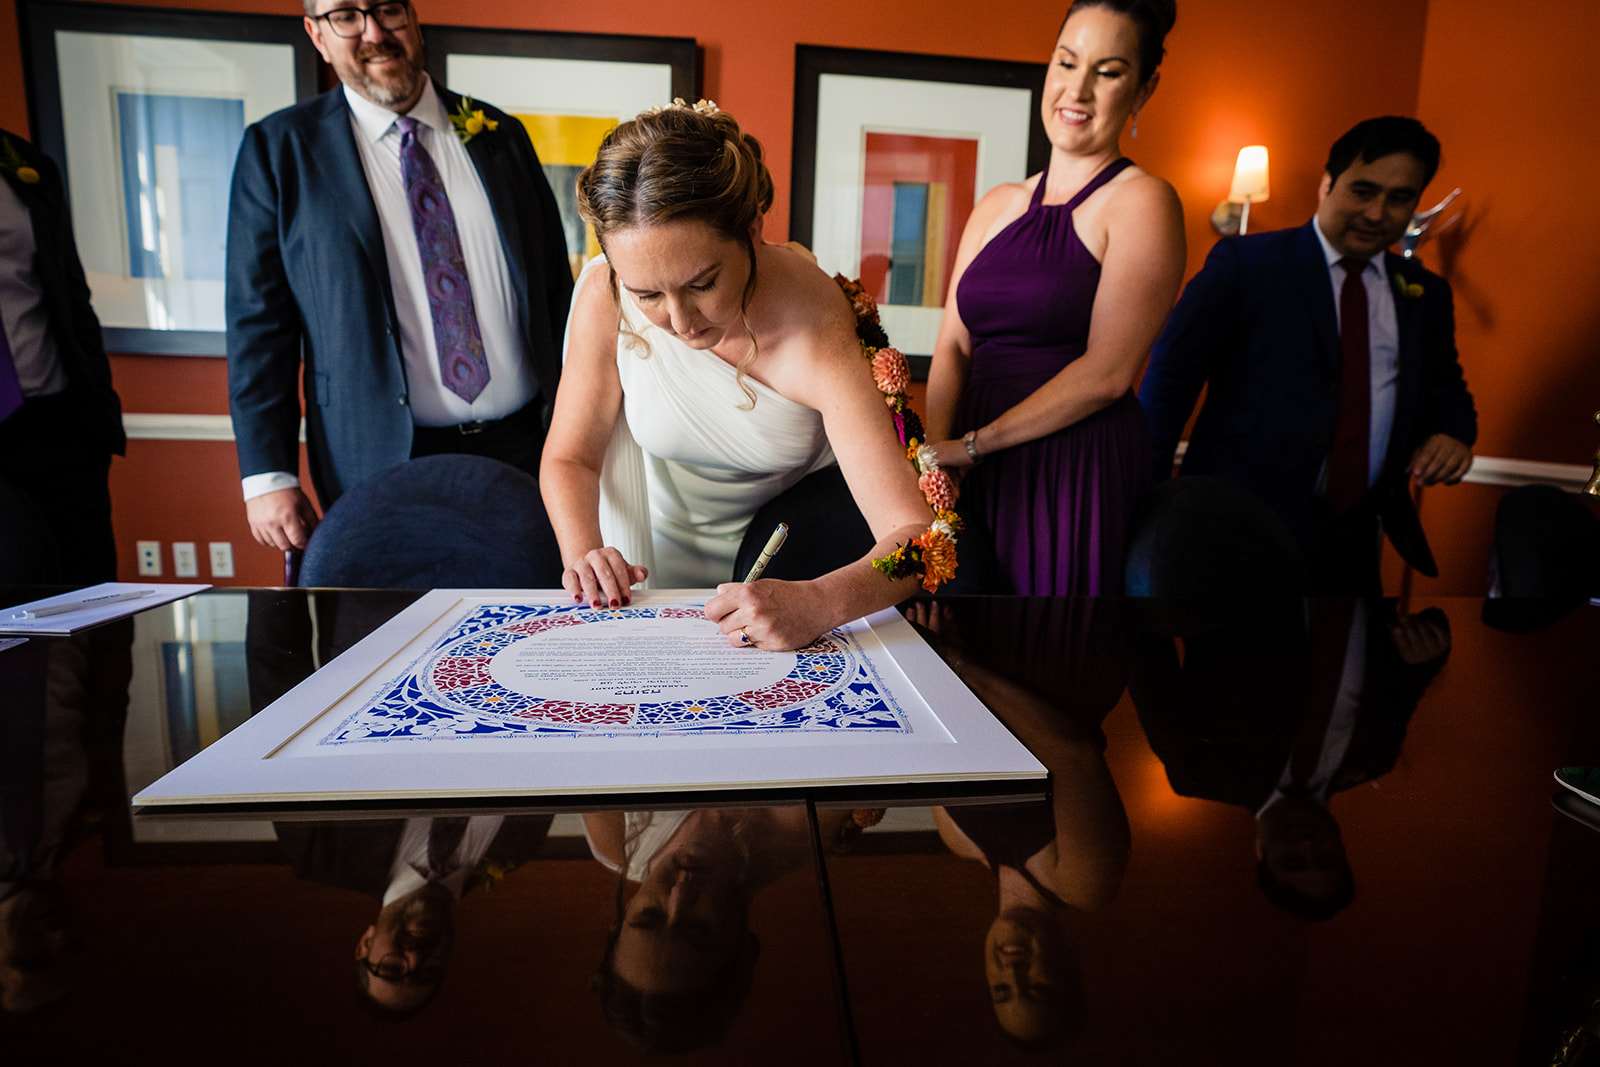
x=395 y=251
x=1329 y=365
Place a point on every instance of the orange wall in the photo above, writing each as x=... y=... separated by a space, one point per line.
x=1522 y=258
x=1238 y=72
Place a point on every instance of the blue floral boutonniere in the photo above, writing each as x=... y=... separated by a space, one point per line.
x=1408 y=290
x=470 y=121
x=12 y=163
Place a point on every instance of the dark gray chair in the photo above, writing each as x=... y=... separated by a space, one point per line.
x=450 y=521
x=1198 y=536
x=1545 y=559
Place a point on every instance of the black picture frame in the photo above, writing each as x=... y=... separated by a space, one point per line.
x=43 y=20
x=598 y=76
x=814 y=139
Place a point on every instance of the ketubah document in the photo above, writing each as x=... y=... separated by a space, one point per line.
x=474 y=693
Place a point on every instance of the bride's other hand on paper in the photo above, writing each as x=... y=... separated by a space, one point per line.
x=775 y=615
x=602 y=578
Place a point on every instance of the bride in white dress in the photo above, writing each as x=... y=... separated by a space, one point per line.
x=706 y=372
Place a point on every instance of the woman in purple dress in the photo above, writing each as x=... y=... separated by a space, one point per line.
x=1061 y=285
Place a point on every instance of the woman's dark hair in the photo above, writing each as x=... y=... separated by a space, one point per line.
x=1385 y=136
x=677 y=163
x=1154 y=18
x=672 y=1022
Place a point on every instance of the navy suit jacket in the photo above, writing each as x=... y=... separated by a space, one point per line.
x=308 y=285
x=1257 y=328
x=73 y=324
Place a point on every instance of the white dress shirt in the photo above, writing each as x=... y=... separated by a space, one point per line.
x=1341 y=724
x=1383 y=338
x=411 y=856
x=22 y=310
x=511 y=381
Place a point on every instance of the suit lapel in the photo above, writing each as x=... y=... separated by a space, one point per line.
x=1311 y=273
x=1408 y=325
x=337 y=149
x=489 y=156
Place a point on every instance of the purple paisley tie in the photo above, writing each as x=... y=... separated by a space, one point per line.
x=10 y=386
x=455 y=321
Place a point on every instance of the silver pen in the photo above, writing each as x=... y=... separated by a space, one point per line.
x=78 y=605
x=774 y=543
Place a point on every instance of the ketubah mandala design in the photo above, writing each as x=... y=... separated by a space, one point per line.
x=532 y=671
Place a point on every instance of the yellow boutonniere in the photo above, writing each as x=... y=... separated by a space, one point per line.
x=11 y=160
x=1409 y=290
x=470 y=121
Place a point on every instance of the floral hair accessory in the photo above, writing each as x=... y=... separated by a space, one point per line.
x=931 y=554
x=470 y=121
x=702 y=106
x=1409 y=290
x=12 y=163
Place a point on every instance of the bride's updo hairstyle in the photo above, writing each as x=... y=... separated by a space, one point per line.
x=680 y=162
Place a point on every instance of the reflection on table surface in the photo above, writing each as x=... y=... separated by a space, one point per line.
x=1277 y=832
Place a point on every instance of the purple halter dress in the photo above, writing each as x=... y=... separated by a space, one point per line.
x=1057 y=508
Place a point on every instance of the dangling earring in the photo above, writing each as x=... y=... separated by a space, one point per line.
x=1136 y=124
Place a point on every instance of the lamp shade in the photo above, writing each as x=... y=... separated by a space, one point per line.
x=1250 y=175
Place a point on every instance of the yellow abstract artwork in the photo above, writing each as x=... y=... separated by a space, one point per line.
x=566 y=144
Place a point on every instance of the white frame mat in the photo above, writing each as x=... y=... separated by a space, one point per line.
x=292 y=751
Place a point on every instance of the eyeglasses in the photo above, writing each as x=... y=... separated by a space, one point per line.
x=352 y=21
x=393 y=968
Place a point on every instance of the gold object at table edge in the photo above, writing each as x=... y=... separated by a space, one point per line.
x=1593 y=487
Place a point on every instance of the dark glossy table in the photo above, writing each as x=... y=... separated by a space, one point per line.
x=1469 y=938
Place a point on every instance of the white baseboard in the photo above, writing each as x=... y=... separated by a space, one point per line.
x=147 y=427
x=1493 y=470
x=1486 y=470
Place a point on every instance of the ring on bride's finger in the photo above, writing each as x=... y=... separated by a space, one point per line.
x=744 y=638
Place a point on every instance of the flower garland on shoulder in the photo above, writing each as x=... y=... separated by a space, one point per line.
x=931 y=554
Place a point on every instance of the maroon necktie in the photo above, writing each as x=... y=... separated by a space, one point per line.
x=1347 y=462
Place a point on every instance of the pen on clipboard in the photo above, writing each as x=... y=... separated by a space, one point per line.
x=774 y=543
x=79 y=605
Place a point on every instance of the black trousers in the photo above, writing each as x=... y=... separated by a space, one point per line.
x=62 y=480
x=1342 y=551
x=517 y=439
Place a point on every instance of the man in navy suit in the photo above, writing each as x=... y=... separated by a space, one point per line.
x=343 y=282
x=1262 y=328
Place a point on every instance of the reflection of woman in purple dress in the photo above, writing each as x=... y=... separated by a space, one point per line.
x=1061 y=285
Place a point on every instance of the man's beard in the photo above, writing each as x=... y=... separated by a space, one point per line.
x=402 y=79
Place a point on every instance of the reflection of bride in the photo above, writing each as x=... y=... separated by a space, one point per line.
x=680 y=956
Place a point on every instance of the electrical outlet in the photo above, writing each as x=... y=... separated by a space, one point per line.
x=149 y=559
x=185 y=563
x=221 y=559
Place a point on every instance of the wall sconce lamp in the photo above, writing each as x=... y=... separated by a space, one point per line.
x=1249 y=186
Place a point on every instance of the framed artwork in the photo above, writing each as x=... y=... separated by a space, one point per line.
x=891 y=152
x=569 y=90
x=522 y=694
x=144 y=109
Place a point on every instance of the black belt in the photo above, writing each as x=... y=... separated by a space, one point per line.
x=468 y=429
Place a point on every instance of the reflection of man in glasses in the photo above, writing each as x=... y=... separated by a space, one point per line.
x=401 y=958
x=419 y=868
